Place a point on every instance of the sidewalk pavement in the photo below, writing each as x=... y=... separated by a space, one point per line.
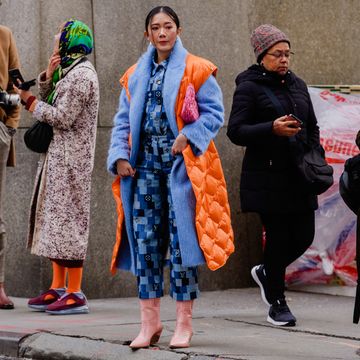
x=228 y=324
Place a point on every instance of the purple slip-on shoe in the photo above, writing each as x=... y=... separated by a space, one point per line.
x=62 y=307
x=40 y=302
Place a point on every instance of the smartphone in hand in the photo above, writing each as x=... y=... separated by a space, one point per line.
x=15 y=75
x=294 y=117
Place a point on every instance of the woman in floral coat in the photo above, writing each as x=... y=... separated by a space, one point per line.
x=60 y=209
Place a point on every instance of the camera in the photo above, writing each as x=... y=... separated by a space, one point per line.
x=9 y=99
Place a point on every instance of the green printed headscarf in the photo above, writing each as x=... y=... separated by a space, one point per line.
x=76 y=41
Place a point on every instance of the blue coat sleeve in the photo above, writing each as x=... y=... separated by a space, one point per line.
x=119 y=143
x=211 y=110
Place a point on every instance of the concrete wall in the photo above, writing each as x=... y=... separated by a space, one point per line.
x=323 y=35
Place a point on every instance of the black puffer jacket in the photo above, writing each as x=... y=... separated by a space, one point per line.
x=268 y=181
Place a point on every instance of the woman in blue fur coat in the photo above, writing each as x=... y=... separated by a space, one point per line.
x=156 y=193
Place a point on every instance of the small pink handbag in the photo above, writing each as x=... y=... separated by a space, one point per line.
x=190 y=111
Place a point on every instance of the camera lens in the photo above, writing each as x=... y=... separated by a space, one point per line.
x=12 y=99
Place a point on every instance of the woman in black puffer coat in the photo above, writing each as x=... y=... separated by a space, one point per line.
x=269 y=185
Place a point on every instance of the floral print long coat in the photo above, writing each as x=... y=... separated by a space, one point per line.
x=60 y=207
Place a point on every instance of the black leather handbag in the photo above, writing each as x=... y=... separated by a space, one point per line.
x=313 y=170
x=38 y=137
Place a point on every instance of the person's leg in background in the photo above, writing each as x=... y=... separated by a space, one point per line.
x=74 y=279
x=287 y=238
x=54 y=293
x=279 y=239
x=59 y=299
x=5 y=302
x=301 y=232
x=72 y=299
x=275 y=254
x=59 y=276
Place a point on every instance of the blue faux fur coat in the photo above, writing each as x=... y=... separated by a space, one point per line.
x=129 y=120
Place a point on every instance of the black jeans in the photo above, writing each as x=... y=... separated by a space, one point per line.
x=287 y=238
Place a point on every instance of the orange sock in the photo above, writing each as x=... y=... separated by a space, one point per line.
x=59 y=278
x=74 y=281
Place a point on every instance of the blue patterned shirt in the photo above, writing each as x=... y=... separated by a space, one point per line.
x=155 y=120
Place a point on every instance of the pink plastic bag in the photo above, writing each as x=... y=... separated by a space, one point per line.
x=190 y=111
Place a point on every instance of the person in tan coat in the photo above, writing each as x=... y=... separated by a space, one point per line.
x=9 y=120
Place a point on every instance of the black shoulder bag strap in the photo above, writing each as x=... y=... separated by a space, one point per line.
x=83 y=59
x=277 y=104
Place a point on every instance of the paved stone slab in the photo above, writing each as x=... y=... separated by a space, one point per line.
x=238 y=340
x=55 y=347
x=227 y=325
x=9 y=342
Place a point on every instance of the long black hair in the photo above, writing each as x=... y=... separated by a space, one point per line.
x=162 y=9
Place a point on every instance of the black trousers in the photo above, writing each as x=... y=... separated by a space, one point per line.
x=287 y=238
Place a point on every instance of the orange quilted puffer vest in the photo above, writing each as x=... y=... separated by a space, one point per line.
x=212 y=220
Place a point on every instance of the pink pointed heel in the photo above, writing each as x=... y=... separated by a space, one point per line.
x=183 y=329
x=151 y=326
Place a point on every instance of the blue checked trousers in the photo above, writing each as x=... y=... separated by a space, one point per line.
x=155 y=225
